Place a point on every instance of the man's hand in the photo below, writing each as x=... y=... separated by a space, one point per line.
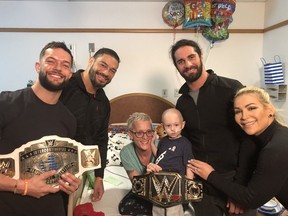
x=69 y=183
x=98 y=190
x=37 y=187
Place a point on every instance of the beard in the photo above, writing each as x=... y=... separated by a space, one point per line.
x=194 y=76
x=95 y=83
x=49 y=85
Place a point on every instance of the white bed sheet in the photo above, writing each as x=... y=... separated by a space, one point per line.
x=116 y=186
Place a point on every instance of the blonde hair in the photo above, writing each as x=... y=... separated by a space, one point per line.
x=263 y=98
x=137 y=116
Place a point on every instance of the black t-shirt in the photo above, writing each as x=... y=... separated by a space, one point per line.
x=23 y=118
x=173 y=154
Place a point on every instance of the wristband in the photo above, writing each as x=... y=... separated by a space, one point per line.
x=25 y=187
x=99 y=178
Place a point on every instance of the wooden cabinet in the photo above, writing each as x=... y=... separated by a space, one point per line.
x=277 y=92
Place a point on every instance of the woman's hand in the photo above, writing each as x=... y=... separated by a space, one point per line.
x=234 y=208
x=200 y=168
x=153 y=145
x=151 y=167
x=155 y=137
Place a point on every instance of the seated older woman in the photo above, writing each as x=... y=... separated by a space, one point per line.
x=135 y=157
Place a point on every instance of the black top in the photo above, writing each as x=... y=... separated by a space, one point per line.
x=270 y=177
x=24 y=117
x=173 y=154
x=92 y=113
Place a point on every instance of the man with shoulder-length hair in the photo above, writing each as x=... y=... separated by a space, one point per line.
x=206 y=103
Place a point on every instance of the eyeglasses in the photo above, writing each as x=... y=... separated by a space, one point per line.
x=140 y=134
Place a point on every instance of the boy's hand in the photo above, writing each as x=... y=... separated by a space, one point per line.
x=151 y=167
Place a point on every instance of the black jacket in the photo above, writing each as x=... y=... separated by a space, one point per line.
x=92 y=113
x=210 y=125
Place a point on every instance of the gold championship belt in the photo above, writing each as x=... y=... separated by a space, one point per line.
x=167 y=189
x=50 y=153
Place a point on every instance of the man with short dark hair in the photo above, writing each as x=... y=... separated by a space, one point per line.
x=27 y=115
x=86 y=99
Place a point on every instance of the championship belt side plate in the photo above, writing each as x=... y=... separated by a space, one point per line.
x=50 y=153
x=167 y=189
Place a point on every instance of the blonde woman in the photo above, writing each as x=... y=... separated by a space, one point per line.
x=257 y=116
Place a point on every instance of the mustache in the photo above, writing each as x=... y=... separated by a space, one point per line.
x=57 y=74
x=103 y=75
x=190 y=68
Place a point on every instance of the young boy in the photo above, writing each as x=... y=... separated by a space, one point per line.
x=173 y=153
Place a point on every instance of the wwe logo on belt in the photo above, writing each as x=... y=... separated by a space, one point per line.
x=50 y=143
x=6 y=167
x=166 y=188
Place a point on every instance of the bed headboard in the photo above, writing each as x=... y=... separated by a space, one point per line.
x=123 y=106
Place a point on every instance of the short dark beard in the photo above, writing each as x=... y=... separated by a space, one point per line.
x=193 y=77
x=50 y=86
x=92 y=77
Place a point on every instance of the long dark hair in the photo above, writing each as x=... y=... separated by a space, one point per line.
x=182 y=43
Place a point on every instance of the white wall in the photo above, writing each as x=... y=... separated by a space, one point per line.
x=146 y=65
x=275 y=42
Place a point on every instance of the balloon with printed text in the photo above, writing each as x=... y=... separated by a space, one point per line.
x=173 y=13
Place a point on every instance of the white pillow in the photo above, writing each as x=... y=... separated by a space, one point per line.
x=118 y=137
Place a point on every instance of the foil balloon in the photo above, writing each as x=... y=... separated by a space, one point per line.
x=173 y=13
x=221 y=16
x=221 y=11
x=197 y=13
x=216 y=33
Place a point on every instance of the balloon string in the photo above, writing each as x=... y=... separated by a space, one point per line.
x=208 y=52
x=197 y=33
x=174 y=36
x=174 y=27
x=176 y=71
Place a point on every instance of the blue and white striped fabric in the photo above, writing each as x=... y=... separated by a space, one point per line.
x=273 y=72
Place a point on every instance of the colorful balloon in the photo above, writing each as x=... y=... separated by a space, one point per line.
x=221 y=16
x=221 y=11
x=216 y=33
x=173 y=13
x=197 y=13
